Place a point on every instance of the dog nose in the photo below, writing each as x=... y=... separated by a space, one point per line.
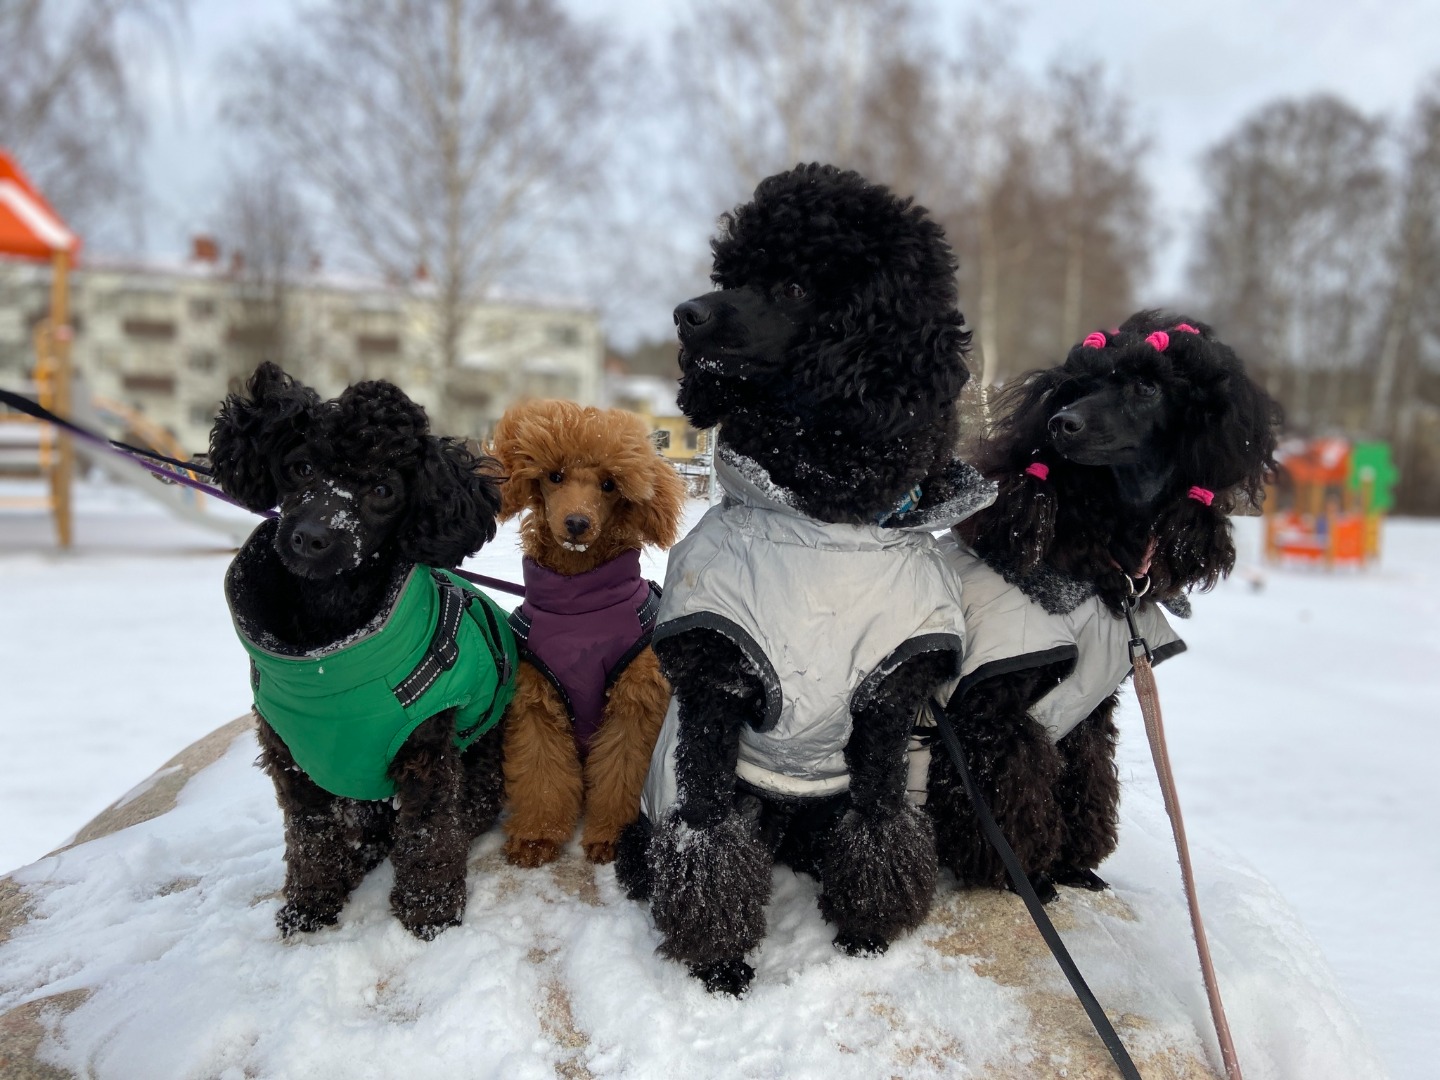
x=1066 y=422
x=692 y=313
x=576 y=524
x=310 y=539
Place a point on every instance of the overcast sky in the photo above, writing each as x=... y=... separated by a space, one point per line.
x=1193 y=68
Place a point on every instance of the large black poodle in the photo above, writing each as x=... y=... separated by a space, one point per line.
x=379 y=678
x=807 y=618
x=1116 y=472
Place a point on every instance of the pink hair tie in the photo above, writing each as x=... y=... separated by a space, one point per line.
x=1186 y=328
x=1202 y=495
x=1037 y=469
x=1094 y=341
x=1160 y=340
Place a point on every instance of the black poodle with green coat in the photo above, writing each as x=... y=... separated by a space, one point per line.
x=380 y=676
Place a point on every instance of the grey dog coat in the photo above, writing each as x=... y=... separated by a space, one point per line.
x=1009 y=630
x=822 y=611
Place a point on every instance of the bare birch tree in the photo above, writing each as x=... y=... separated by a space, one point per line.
x=68 y=106
x=1287 y=251
x=267 y=229
x=767 y=84
x=1042 y=188
x=982 y=166
x=1095 y=157
x=1039 y=184
x=438 y=134
x=1413 y=260
x=1409 y=351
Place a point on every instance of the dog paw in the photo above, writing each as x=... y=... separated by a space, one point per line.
x=1080 y=878
x=724 y=976
x=878 y=872
x=428 y=931
x=632 y=869
x=600 y=852
x=532 y=853
x=427 y=911
x=296 y=918
x=853 y=943
x=1044 y=886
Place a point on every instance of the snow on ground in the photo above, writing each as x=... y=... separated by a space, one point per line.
x=1301 y=725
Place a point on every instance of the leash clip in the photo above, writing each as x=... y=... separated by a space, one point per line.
x=1138 y=645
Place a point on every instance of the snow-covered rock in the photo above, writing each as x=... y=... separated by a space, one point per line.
x=147 y=948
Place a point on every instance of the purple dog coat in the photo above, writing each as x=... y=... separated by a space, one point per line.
x=581 y=632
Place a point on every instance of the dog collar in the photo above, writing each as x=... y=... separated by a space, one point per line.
x=909 y=502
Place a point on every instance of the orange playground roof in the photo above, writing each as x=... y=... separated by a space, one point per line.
x=29 y=226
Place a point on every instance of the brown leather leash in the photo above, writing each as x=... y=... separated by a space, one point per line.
x=1148 y=695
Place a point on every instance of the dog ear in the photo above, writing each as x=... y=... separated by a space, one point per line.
x=1020 y=524
x=1194 y=545
x=1227 y=439
x=254 y=429
x=886 y=382
x=1021 y=521
x=658 y=517
x=520 y=488
x=454 y=498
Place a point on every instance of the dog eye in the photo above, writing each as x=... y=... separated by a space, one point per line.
x=794 y=291
x=557 y=477
x=302 y=470
x=382 y=491
x=607 y=484
x=1146 y=388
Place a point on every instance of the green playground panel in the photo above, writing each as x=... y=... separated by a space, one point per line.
x=1371 y=460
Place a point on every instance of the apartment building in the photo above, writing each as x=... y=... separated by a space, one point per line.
x=168 y=340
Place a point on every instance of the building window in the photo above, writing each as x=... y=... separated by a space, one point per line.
x=692 y=439
x=377 y=344
x=143 y=383
x=255 y=335
x=497 y=330
x=202 y=307
x=567 y=334
x=201 y=361
x=149 y=329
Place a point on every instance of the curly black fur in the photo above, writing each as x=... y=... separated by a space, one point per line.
x=832 y=352
x=832 y=355
x=365 y=492
x=1205 y=424
x=1126 y=428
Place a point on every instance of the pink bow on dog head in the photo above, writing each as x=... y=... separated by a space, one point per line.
x=1094 y=341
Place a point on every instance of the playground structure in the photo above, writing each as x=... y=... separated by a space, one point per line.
x=1330 y=507
x=31 y=230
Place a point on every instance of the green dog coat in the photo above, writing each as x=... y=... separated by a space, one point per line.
x=344 y=712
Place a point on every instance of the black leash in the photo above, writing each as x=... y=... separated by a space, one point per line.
x=146 y=457
x=39 y=412
x=992 y=832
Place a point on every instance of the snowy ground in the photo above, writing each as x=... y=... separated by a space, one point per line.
x=1301 y=725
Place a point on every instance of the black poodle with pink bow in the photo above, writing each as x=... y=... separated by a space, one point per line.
x=1117 y=470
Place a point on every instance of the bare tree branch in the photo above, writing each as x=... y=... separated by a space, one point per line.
x=67 y=103
x=440 y=134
